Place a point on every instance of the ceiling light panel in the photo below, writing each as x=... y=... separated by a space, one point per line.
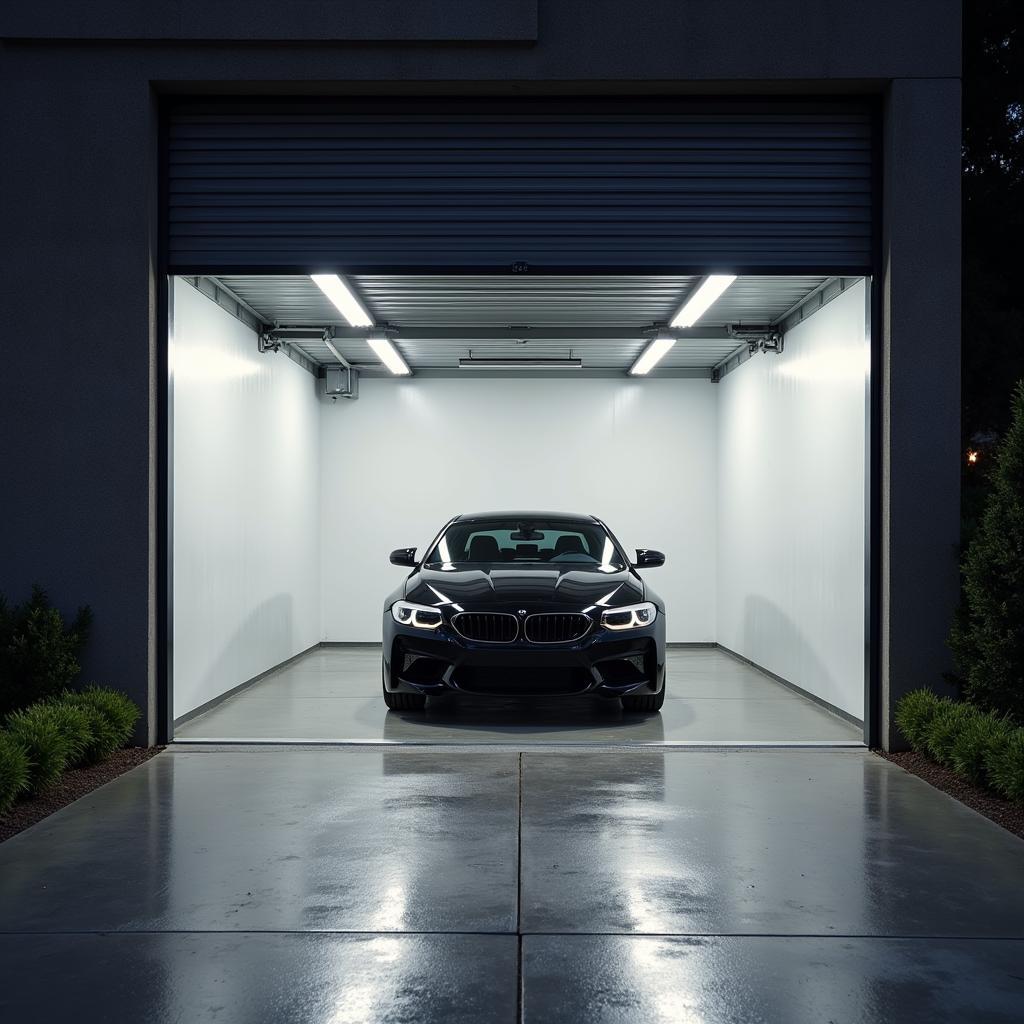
x=707 y=293
x=341 y=295
x=388 y=354
x=652 y=355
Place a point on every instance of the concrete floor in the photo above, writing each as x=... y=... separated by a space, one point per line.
x=350 y=885
x=333 y=693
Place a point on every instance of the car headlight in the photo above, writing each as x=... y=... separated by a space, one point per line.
x=631 y=616
x=419 y=615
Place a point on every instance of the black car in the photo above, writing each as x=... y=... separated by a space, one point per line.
x=515 y=603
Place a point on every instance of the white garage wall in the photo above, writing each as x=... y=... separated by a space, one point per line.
x=791 y=505
x=753 y=487
x=246 y=503
x=408 y=455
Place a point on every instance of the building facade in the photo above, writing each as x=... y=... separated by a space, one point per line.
x=90 y=232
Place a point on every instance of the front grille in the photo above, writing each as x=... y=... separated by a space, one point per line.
x=558 y=628
x=486 y=627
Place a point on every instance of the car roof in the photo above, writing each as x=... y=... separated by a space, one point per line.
x=527 y=515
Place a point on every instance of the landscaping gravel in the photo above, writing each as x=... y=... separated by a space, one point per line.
x=1003 y=812
x=73 y=784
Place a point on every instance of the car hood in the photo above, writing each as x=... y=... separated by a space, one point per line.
x=540 y=586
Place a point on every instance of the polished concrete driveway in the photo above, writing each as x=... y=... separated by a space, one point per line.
x=333 y=693
x=350 y=885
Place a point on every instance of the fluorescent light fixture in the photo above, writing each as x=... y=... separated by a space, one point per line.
x=652 y=355
x=339 y=293
x=472 y=363
x=702 y=299
x=388 y=354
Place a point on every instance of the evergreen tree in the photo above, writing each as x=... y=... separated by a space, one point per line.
x=988 y=635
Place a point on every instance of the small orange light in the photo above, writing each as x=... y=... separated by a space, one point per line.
x=972 y=456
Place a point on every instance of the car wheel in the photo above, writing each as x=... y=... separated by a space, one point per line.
x=647 y=702
x=401 y=701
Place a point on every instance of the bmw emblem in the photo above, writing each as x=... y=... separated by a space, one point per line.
x=522 y=612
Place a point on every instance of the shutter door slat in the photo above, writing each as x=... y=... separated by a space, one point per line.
x=589 y=185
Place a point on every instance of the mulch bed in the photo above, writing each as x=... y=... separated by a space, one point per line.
x=1003 y=812
x=74 y=784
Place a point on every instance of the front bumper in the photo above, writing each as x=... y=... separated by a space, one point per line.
x=603 y=662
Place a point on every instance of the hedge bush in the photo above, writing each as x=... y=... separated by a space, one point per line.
x=104 y=739
x=77 y=728
x=982 y=733
x=983 y=747
x=49 y=748
x=14 y=771
x=121 y=711
x=114 y=715
x=40 y=741
x=914 y=712
x=1005 y=766
x=38 y=651
x=940 y=734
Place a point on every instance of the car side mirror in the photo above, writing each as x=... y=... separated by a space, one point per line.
x=404 y=556
x=648 y=558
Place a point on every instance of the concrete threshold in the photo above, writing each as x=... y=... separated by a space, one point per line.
x=261 y=743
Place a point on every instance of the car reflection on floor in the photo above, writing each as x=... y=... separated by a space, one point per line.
x=332 y=695
x=522 y=720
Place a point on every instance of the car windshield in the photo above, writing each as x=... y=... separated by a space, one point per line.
x=511 y=542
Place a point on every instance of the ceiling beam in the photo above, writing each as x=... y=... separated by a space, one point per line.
x=580 y=333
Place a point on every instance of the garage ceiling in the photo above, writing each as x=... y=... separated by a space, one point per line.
x=604 y=320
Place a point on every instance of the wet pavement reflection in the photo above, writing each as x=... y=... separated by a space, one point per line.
x=334 y=694
x=344 y=885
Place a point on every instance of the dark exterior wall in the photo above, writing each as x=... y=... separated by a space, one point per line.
x=575 y=40
x=76 y=291
x=921 y=408
x=78 y=260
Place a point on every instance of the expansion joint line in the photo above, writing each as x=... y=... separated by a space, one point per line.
x=519 y=890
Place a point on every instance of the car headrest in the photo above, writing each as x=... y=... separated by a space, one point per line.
x=484 y=549
x=570 y=543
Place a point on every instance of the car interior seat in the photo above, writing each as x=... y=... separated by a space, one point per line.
x=569 y=544
x=484 y=549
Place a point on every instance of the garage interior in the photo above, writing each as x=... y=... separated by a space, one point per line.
x=299 y=462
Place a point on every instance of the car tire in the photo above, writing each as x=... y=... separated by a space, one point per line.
x=645 y=703
x=401 y=701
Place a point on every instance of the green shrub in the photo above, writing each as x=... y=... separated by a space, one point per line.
x=14 y=771
x=104 y=738
x=970 y=748
x=38 y=651
x=914 y=712
x=77 y=726
x=988 y=635
x=1005 y=766
x=120 y=712
x=114 y=721
x=49 y=749
x=948 y=722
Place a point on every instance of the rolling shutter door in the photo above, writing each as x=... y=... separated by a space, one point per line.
x=558 y=185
